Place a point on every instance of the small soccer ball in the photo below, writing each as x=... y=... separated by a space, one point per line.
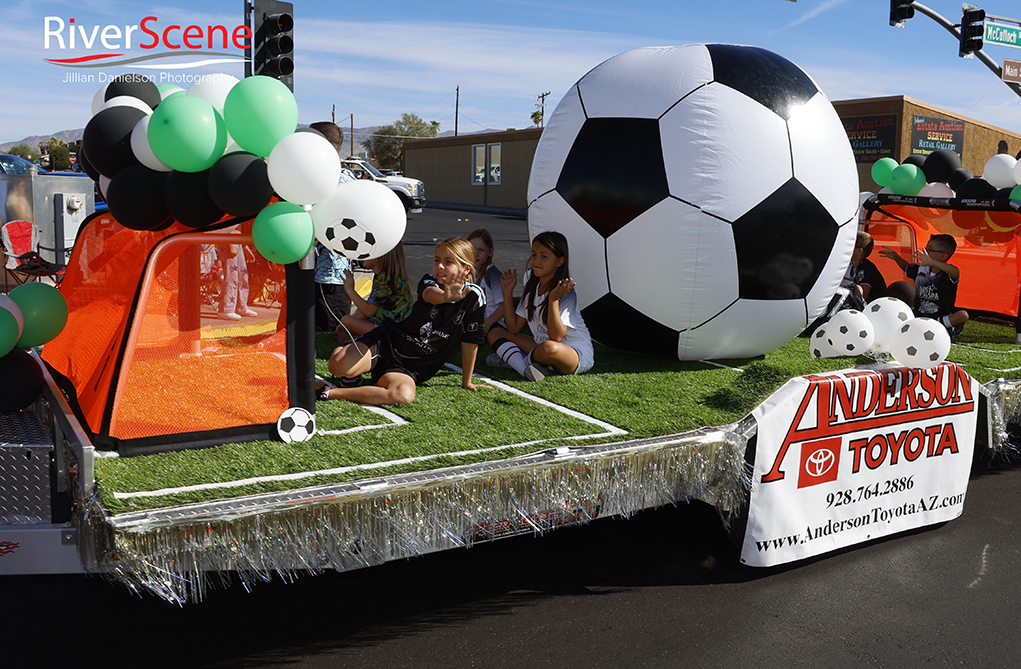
x=850 y=332
x=920 y=343
x=350 y=238
x=887 y=315
x=296 y=425
x=820 y=345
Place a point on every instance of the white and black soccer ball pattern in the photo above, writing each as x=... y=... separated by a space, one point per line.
x=725 y=227
x=296 y=425
x=350 y=238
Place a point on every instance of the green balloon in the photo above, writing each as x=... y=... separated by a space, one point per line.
x=8 y=332
x=259 y=112
x=881 y=171
x=187 y=134
x=1016 y=193
x=283 y=232
x=907 y=179
x=44 y=311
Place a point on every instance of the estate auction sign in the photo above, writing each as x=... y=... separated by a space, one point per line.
x=871 y=137
x=850 y=456
x=930 y=133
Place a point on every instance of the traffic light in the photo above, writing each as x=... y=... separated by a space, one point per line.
x=273 y=40
x=900 y=11
x=973 y=29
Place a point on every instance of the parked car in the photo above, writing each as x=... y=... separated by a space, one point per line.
x=12 y=164
x=411 y=191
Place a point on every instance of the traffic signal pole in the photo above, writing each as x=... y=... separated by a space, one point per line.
x=981 y=55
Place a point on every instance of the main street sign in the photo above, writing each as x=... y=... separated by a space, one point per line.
x=1011 y=71
x=1005 y=35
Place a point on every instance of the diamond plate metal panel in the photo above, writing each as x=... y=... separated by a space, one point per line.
x=25 y=451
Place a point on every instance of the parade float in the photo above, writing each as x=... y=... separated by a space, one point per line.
x=165 y=448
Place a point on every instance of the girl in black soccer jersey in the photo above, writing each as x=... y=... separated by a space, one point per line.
x=450 y=311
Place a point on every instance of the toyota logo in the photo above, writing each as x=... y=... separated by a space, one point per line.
x=819 y=462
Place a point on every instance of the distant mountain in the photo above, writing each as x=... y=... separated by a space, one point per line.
x=65 y=136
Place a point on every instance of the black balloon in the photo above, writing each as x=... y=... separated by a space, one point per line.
x=135 y=197
x=23 y=381
x=186 y=196
x=958 y=177
x=86 y=165
x=975 y=188
x=239 y=185
x=1003 y=193
x=107 y=139
x=135 y=86
x=939 y=164
x=916 y=159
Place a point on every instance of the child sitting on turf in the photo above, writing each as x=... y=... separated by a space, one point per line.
x=449 y=311
x=863 y=272
x=488 y=276
x=935 y=282
x=560 y=341
x=390 y=296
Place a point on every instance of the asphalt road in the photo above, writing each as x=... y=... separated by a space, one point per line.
x=661 y=589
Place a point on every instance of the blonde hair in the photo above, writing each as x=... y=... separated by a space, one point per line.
x=394 y=264
x=463 y=252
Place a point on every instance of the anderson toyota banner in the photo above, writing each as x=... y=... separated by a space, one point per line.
x=850 y=456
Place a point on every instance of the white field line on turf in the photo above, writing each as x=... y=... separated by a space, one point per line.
x=610 y=431
x=389 y=415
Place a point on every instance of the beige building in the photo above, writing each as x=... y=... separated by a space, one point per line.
x=491 y=170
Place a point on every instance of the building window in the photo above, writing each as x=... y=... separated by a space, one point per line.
x=485 y=164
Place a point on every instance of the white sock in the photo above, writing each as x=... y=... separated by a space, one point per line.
x=511 y=354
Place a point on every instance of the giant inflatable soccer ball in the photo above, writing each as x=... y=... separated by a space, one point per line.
x=708 y=194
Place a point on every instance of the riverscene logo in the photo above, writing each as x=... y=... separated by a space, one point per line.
x=147 y=34
x=888 y=405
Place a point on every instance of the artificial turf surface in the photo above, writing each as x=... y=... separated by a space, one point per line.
x=644 y=395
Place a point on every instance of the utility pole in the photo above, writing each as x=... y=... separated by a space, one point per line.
x=333 y=115
x=541 y=104
x=457 y=107
x=351 y=136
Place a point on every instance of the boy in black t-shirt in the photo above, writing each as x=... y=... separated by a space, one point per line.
x=449 y=311
x=863 y=272
x=935 y=282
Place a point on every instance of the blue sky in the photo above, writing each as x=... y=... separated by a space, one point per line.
x=376 y=60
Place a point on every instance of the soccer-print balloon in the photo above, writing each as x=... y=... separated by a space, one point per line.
x=360 y=220
x=921 y=343
x=887 y=315
x=303 y=168
x=742 y=218
x=850 y=332
x=819 y=344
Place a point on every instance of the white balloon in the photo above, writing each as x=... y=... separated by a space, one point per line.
x=850 y=332
x=819 y=346
x=887 y=315
x=360 y=219
x=303 y=168
x=936 y=189
x=1017 y=172
x=126 y=101
x=12 y=306
x=999 y=171
x=140 y=146
x=213 y=88
x=99 y=99
x=921 y=343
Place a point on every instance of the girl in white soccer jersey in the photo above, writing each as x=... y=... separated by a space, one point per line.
x=560 y=341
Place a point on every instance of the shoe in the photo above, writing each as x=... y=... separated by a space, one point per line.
x=534 y=372
x=248 y=312
x=345 y=382
x=323 y=389
x=231 y=317
x=494 y=360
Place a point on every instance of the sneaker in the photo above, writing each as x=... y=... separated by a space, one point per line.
x=534 y=372
x=323 y=389
x=345 y=382
x=231 y=317
x=248 y=312
x=494 y=360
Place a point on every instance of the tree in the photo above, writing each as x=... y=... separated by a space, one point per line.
x=537 y=118
x=60 y=157
x=386 y=144
x=23 y=150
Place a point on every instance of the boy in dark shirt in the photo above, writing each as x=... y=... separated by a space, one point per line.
x=863 y=271
x=935 y=282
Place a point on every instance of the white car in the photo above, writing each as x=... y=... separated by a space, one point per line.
x=411 y=191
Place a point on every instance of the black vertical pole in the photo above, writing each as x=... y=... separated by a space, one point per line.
x=301 y=348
